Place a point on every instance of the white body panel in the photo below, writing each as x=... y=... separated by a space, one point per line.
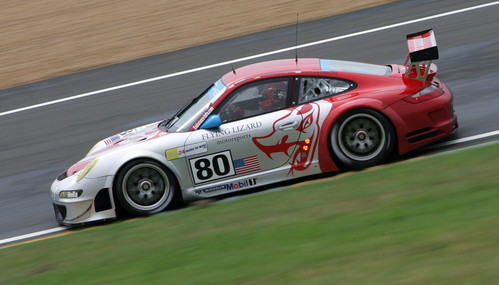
x=276 y=133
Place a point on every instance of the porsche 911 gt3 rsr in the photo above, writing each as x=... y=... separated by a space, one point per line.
x=262 y=124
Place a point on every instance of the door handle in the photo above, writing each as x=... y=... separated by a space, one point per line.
x=289 y=126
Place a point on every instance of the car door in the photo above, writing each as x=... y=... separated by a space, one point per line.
x=259 y=132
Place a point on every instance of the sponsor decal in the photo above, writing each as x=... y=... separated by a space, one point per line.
x=422 y=46
x=123 y=135
x=188 y=150
x=234 y=139
x=217 y=90
x=238 y=185
x=203 y=118
x=420 y=41
x=198 y=148
x=247 y=164
x=73 y=194
x=132 y=131
x=231 y=131
x=172 y=154
x=211 y=135
x=247 y=127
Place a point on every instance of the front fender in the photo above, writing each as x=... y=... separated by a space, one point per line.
x=110 y=163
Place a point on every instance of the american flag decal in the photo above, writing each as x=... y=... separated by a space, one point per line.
x=246 y=165
x=112 y=140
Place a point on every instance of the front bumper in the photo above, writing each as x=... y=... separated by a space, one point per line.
x=94 y=204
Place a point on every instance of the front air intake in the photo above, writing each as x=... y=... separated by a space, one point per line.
x=60 y=213
x=102 y=200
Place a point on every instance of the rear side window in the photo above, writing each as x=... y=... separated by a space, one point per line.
x=316 y=88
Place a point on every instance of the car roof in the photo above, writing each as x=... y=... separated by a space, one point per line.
x=282 y=66
x=289 y=66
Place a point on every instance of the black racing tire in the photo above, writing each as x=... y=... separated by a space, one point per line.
x=361 y=138
x=144 y=187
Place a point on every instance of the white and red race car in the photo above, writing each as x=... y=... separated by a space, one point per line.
x=262 y=124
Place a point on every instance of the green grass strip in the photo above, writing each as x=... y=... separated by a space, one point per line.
x=426 y=221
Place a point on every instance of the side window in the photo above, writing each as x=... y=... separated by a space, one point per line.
x=314 y=88
x=254 y=99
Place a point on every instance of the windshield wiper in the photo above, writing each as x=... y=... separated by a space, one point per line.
x=169 y=122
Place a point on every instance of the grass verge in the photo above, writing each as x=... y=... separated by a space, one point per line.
x=425 y=221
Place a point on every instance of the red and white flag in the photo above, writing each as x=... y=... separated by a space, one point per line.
x=422 y=46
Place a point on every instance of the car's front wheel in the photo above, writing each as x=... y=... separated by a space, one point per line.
x=362 y=138
x=144 y=187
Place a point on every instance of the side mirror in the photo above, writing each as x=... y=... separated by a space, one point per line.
x=213 y=121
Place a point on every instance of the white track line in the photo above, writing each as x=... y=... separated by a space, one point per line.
x=468 y=139
x=31 y=235
x=60 y=229
x=247 y=58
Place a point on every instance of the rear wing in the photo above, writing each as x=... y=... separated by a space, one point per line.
x=422 y=50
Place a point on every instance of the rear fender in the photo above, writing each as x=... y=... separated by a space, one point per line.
x=326 y=162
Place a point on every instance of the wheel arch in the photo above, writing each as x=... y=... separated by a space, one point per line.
x=146 y=158
x=110 y=164
x=339 y=111
x=176 y=194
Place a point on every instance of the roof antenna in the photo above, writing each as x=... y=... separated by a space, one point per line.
x=233 y=70
x=296 y=40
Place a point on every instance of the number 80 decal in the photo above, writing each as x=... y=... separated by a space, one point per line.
x=212 y=167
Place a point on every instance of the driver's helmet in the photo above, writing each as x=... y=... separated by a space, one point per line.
x=272 y=95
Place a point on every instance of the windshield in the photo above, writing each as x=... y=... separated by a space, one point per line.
x=188 y=115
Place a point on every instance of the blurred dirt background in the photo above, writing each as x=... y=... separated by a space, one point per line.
x=41 y=39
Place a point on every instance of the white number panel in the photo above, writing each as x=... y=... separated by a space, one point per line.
x=212 y=167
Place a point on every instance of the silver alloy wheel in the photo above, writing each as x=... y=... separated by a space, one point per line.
x=361 y=137
x=145 y=187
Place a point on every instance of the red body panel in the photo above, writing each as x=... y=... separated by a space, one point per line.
x=416 y=125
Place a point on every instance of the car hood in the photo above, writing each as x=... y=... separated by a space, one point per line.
x=126 y=138
x=136 y=135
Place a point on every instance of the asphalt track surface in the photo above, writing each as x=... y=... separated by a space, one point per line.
x=38 y=144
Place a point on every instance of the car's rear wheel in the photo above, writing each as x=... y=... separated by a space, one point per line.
x=144 y=187
x=362 y=138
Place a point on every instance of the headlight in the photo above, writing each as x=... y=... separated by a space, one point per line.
x=87 y=169
x=70 y=194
